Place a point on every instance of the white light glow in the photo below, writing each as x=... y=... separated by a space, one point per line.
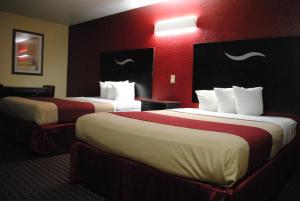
x=21 y=39
x=176 y=31
x=23 y=56
x=140 y=3
x=176 y=26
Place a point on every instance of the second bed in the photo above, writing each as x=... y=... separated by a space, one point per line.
x=215 y=150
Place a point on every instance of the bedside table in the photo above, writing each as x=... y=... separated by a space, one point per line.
x=153 y=104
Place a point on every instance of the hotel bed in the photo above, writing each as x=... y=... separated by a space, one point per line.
x=47 y=123
x=33 y=115
x=160 y=152
x=189 y=154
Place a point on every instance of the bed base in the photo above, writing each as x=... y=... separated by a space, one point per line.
x=43 y=139
x=120 y=179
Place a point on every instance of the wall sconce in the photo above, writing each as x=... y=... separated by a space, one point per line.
x=176 y=26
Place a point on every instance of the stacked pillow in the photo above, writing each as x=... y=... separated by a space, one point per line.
x=246 y=101
x=119 y=91
x=249 y=101
x=226 y=100
x=208 y=100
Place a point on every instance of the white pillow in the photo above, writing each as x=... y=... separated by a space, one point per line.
x=226 y=100
x=207 y=100
x=103 y=90
x=249 y=101
x=124 y=91
x=110 y=91
x=107 y=90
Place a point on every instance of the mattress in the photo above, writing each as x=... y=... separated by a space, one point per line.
x=211 y=156
x=43 y=112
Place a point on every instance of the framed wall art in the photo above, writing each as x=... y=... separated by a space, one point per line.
x=27 y=55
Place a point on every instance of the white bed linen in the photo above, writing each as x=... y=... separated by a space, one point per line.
x=119 y=106
x=288 y=125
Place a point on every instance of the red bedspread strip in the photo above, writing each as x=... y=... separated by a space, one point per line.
x=259 y=140
x=68 y=110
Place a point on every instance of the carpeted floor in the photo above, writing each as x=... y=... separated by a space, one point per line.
x=291 y=190
x=25 y=176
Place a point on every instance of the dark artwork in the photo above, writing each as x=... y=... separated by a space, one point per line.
x=272 y=63
x=133 y=65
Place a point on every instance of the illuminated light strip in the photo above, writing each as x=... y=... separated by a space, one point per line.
x=139 y=3
x=176 y=31
x=176 y=26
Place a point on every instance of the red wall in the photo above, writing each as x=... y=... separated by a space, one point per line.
x=218 y=20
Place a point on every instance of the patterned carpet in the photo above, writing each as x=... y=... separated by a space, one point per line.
x=25 y=176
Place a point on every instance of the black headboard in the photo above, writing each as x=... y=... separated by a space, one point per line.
x=45 y=91
x=133 y=65
x=272 y=63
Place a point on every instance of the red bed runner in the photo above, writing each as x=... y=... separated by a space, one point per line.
x=259 y=140
x=68 y=110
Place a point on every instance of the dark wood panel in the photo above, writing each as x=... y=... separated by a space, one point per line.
x=133 y=65
x=154 y=104
x=274 y=65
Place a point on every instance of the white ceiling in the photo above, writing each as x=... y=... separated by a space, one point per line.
x=70 y=12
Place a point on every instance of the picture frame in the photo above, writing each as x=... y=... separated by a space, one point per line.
x=27 y=52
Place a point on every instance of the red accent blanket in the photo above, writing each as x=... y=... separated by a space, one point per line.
x=259 y=140
x=68 y=110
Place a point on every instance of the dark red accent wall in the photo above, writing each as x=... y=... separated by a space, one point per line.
x=218 y=20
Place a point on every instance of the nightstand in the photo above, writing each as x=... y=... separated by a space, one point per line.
x=153 y=104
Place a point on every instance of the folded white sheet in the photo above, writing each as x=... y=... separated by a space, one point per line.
x=288 y=125
x=119 y=106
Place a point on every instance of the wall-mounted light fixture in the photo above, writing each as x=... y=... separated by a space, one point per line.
x=140 y=3
x=176 y=26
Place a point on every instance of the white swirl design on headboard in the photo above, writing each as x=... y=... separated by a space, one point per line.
x=125 y=61
x=244 y=56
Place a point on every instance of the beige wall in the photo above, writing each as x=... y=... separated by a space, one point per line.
x=55 y=52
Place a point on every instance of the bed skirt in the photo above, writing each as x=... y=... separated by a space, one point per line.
x=43 y=139
x=120 y=179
